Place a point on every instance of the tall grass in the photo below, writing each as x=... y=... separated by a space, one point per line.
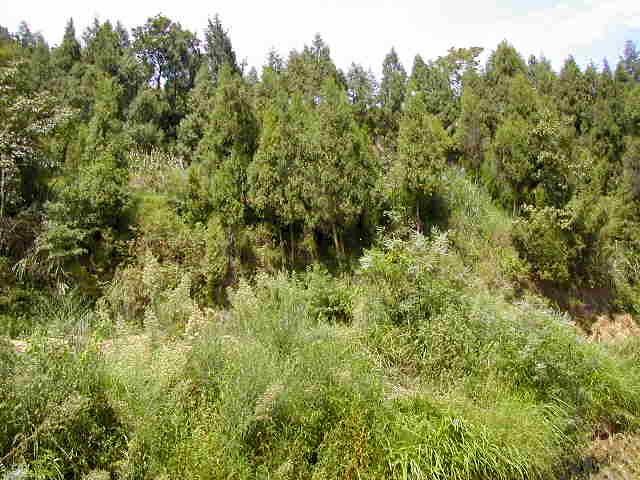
x=54 y=413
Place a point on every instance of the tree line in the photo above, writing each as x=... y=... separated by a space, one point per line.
x=303 y=160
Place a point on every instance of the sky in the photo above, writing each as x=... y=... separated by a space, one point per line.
x=363 y=31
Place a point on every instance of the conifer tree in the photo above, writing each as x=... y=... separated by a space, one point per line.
x=68 y=53
x=218 y=48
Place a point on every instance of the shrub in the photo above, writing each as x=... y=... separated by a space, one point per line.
x=54 y=412
x=544 y=238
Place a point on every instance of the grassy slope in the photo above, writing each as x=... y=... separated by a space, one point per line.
x=423 y=364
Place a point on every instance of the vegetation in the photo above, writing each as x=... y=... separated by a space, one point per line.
x=210 y=273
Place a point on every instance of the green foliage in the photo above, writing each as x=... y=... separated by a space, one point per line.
x=543 y=237
x=192 y=127
x=218 y=49
x=309 y=70
x=55 y=414
x=361 y=87
x=530 y=158
x=275 y=171
x=227 y=147
x=416 y=295
x=631 y=165
x=105 y=125
x=337 y=184
x=391 y=95
x=178 y=254
x=68 y=53
x=172 y=57
x=87 y=222
x=423 y=145
x=147 y=118
x=503 y=63
x=472 y=134
x=393 y=84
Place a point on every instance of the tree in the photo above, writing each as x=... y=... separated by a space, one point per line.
x=441 y=82
x=171 y=53
x=252 y=77
x=276 y=173
x=573 y=93
x=433 y=82
x=26 y=119
x=68 y=53
x=391 y=95
x=630 y=61
x=228 y=145
x=274 y=61
x=5 y=35
x=29 y=120
x=531 y=160
x=173 y=58
x=423 y=144
x=308 y=70
x=393 y=84
x=631 y=164
x=504 y=62
x=631 y=112
x=218 y=48
x=104 y=46
x=106 y=123
x=148 y=118
x=361 y=88
x=24 y=36
x=108 y=50
x=472 y=134
x=200 y=104
x=337 y=184
x=82 y=224
x=541 y=74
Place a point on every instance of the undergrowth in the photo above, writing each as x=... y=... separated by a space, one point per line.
x=411 y=367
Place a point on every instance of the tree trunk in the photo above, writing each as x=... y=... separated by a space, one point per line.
x=336 y=241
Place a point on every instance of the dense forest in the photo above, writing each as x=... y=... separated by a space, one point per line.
x=211 y=272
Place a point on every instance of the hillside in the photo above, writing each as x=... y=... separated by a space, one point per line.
x=207 y=273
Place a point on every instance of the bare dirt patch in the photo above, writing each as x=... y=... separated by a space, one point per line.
x=613 y=328
x=617 y=457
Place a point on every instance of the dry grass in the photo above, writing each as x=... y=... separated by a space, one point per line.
x=614 y=328
x=617 y=457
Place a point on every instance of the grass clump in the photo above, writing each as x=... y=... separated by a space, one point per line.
x=54 y=412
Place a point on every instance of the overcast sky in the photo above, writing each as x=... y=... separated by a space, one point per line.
x=364 y=30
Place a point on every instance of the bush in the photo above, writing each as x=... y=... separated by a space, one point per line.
x=54 y=413
x=544 y=238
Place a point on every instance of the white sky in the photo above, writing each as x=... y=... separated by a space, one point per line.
x=364 y=31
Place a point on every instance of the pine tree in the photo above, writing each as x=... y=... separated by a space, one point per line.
x=228 y=145
x=68 y=53
x=276 y=174
x=393 y=84
x=505 y=62
x=338 y=182
x=200 y=104
x=308 y=70
x=423 y=145
x=275 y=61
x=218 y=48
x=361 y=87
